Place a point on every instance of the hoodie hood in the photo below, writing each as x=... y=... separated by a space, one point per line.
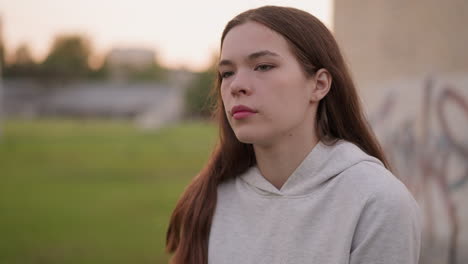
x=320 y=165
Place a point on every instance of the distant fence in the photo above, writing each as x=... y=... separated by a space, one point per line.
x=151 y=104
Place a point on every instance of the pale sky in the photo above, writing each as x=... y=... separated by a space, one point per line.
x=183 y=33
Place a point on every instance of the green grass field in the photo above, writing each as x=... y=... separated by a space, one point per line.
x=93 y=191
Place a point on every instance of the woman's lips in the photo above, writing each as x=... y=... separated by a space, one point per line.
x=242 y=111
x=242 y=114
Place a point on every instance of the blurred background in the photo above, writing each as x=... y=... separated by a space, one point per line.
x=104 y=116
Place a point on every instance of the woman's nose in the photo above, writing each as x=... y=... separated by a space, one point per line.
x=241 y=84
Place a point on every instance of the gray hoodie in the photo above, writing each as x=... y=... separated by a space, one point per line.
x=339 y=206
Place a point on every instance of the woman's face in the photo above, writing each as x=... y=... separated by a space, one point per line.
x=259 y=71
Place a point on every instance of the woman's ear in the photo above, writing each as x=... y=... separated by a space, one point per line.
x=322 y=81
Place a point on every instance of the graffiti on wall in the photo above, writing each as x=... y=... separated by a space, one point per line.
x=426 y=140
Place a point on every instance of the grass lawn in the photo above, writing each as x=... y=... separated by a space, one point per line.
x=93 y=191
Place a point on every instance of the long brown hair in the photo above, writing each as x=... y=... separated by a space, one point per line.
x=339 y=116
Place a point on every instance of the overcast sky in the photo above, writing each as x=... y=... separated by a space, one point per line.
x=183 y=33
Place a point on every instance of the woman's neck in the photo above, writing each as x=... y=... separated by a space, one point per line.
x=278 y=161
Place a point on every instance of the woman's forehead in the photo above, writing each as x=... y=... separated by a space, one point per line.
x=246 y=39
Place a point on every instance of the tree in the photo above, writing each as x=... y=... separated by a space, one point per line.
x=2 y=48
x=153 y=72
x=68 y=58
x=23 y=56
x=2 y=54
x=198 y=100
x=22 y=63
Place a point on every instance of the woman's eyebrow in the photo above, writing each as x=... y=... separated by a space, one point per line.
x=261 y=53
x=251 y=57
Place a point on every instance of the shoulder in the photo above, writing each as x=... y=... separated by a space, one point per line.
x=227 y=188
x=370 y=178
x=385 y=196
x=365 y=173
x=389 y=226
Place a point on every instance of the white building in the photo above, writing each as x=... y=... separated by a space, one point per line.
x=122 y=61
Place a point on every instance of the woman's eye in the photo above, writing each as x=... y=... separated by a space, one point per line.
x=264 y=67
x=226 y=74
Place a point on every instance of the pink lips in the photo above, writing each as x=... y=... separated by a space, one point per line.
x=241 y=111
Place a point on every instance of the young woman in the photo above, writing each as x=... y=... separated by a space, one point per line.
x=297 y=175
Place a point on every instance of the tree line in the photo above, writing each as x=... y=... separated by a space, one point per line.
x=69 y=58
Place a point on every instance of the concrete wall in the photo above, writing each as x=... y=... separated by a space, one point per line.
x=410 y=64
x=423 y=127
x=386 y=40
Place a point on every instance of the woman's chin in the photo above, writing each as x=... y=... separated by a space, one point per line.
x=250 y=138
x=247 y=138
x=251 y=134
